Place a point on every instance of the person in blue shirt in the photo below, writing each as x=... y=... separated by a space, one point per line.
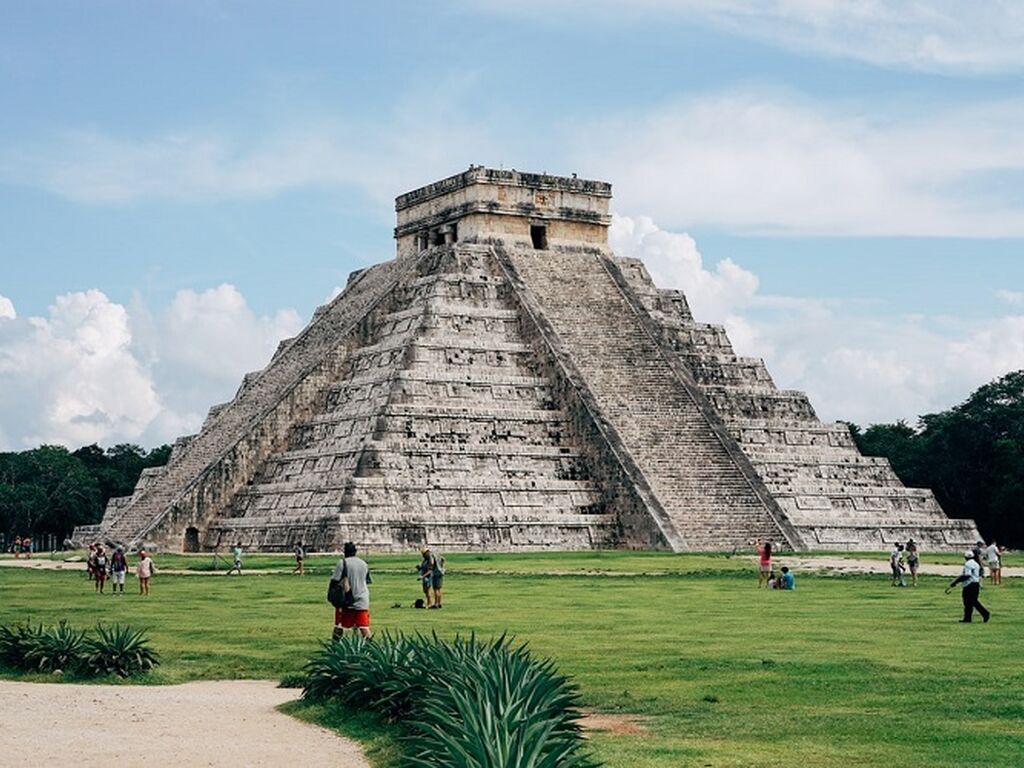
x=787 y=579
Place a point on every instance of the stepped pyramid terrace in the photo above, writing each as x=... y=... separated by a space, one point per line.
x=506 y=382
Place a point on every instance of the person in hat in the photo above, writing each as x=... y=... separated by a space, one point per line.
x=913 y=560
x=971 y=581
x=144 y=572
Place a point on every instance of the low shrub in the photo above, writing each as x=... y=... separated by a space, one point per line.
x=15 y=643
x=120 y=650
x=61 y=648
x=465 y=703
x=113 y=650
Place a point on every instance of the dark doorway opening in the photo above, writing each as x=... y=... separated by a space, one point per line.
x=539 y=236
x=191 y=540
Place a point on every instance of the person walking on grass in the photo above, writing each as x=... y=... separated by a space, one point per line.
x=144 y=571
x=971 y=581
x=352 y=579
x=300 y=556
x=237 y=552
x=100 y=566
x=979 y=550
x=913 y=560
x=118 y=570
x=993 y=554
x=896 y=564
x=764 y=563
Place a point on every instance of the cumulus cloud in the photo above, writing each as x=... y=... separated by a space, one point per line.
x=93 y=370
x=1010 y=297
x=931 y=35
x=7 y=309
x=753 y=163
x=867 y=367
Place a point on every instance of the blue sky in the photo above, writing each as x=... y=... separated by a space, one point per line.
x=841 y=184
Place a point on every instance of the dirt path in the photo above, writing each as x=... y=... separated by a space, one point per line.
x=229 y=723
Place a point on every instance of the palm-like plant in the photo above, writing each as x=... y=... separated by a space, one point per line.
x=120 y=650
x=15 y=643
x=56 y=648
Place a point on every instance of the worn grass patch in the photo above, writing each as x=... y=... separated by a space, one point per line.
x=843 y=671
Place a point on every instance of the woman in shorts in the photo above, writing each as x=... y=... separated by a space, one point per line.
x=913 y=561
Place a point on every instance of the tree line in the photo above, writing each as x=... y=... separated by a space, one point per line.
x=971 y=456
x=50 y=490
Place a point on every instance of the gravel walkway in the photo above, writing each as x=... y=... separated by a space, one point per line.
x=229 y=723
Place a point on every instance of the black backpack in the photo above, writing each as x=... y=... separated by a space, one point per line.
x=338 y=593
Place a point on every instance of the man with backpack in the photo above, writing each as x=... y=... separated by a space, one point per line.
x=432 y=574
x=349 y=593
x=118 y=569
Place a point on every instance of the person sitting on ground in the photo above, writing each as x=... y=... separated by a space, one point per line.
x=118 y=570
x=100 y=565
x=787 y=581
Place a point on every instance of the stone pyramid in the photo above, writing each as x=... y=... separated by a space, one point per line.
x=506 y=382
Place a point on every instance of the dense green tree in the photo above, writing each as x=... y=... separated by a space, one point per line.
x=49 y=490
x=972 y=456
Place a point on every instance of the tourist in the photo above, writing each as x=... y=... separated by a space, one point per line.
x=90 y=562
x=353 y=575
x=896 y=564
x=16 y=547
x=118 y=570
x=26 y=547
x=992 y=555
x=913 y=560
x=787 y=581
x=764 y=569
x=100 y=566
x=971 y=580
x=300 y=556
x=144 y=571
x=237 y=552
x=979 y=548
x=425 y=576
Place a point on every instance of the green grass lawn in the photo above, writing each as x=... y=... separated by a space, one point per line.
x=843 y=671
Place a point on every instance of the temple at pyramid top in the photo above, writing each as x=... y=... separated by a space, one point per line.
x=509 y=383
x=480 y=205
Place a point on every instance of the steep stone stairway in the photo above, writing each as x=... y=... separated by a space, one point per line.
x=708 y=498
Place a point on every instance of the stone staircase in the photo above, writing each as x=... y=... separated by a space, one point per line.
x=706 y=495
x=438 y=429
x=835 y=497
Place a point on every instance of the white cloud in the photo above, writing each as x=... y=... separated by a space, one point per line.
x=7 y=309
x=752 y=163
x=857 y=365
x=934 y=35
x=1010 y=297
x=93 y=370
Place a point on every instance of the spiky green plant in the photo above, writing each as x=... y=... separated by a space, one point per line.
x=120 y=650
x=466 y=703
x=16 y=642
x=57 y=648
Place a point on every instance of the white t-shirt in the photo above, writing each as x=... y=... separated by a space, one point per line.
x=992 y=553
x=973 y=571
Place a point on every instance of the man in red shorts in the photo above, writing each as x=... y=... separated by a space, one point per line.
x=354 y=574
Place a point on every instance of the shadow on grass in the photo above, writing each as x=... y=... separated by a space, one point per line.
x=379 y=740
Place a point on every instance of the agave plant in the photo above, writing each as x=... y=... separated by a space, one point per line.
x=16 y=642
x=61 y=648
x=120 y=650
x=470 y=704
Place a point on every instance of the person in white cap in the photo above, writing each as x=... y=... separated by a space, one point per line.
x=971 y=580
